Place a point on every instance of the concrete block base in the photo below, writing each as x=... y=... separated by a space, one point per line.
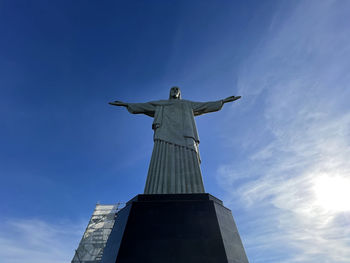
x=174 y=228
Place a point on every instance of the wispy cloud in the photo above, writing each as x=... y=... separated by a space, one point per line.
x=23 y=240
x=300 y=72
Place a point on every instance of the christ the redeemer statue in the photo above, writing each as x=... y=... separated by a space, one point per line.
x=175 y=161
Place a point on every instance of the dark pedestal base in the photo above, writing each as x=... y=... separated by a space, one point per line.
x=174 y=228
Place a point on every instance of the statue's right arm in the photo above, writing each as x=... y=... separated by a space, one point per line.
x=118 y=103
x=147 y=108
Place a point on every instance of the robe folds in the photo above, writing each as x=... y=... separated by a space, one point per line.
x=175 y=161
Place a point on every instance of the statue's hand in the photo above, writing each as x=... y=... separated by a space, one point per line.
x=118 y=103
x=231 y=98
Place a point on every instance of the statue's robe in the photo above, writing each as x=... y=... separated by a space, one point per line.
x=174 y=166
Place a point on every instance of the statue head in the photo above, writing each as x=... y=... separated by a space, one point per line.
x=175 y=93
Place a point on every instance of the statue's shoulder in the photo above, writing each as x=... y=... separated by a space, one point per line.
x=169 y=102
x=159 y=102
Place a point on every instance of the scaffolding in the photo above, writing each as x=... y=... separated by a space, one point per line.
x=90 y=249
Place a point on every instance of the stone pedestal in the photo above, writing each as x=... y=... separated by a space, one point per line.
x=174 y=228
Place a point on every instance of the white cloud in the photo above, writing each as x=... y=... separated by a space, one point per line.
x=301 y=73
x=33 y=240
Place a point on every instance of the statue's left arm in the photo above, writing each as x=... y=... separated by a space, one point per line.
x=211 y=106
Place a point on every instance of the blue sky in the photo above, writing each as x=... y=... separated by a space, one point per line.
x=278 y=157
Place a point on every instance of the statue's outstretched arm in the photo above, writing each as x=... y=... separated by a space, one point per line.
x=200 y=108
x=118 y=103
x=147 y=108
x=231 y=98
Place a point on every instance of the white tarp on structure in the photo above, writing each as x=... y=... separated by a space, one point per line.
x=94 y=240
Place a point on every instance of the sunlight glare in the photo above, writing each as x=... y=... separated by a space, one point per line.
x=332 y=193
